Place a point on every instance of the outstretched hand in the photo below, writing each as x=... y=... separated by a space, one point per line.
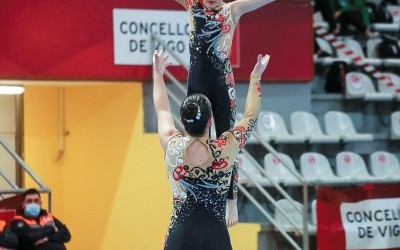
x=160 y=62
x=261 y=65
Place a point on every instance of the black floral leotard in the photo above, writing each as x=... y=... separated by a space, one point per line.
x=200 y=191
x=210 y=72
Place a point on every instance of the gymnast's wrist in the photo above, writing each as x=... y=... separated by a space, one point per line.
x=255 y=76
x=158 y=74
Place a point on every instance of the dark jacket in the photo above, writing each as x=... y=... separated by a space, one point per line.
x=30 y=231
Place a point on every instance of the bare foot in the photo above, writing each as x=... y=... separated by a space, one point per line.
x=231 y=213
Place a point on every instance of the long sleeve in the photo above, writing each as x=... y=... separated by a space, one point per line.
x=242 y=130
x=62 y=235
x=27 y=234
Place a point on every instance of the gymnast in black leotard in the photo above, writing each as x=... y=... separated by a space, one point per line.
x=199 y=168
x=212 y=24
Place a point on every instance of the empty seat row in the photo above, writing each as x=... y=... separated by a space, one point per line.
x=360 y=85
x=315 y=168
x=356 y=48
x=306 y=128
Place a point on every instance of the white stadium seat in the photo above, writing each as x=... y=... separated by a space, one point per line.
x=351 y=166
x=278 y=172
x=315 y=167
x=395 y=12
x=245 y=165
x=384 y=88
x=372 y=47
x=314 y=212
x=359 y=85
x=340 y=124
x=271 y=127
x=395 y=125
x=357 y=49
x=324 y=46
x=385 y=165
x=306 y=124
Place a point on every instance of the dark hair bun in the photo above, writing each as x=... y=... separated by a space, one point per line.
x=195 y=113
x=190 y=111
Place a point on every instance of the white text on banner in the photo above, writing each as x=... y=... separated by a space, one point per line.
x=371 y=224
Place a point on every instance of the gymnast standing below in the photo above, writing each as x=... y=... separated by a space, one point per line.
x=199 y=168
x=212 y=24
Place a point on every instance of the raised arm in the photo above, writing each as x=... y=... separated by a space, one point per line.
x=253 y=102
x=240 y=7
x=242 y=131
x=165 y=123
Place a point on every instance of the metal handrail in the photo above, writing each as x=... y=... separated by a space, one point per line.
x=175 y=81
x=268 y=216
x=304 y=213
x=306 y=243
x=8 y=179
x=270 y=199
x=21 y=163
x=276 y=185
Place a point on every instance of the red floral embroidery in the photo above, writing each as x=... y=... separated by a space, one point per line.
x=230 y=79
x=225 y=28
x=179 y=173
x=221 y=164
x=241 y=137
x=232 y=103
x=240 y=129
x=236 y=177
x=221 y=142
x=220 y=19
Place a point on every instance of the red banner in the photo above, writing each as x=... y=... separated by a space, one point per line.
x=366 y=217
x=73 y=40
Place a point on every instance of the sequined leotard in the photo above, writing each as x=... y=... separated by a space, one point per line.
x=200 y=191
x=210 y=72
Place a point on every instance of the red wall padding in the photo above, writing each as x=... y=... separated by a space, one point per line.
x=50 y=39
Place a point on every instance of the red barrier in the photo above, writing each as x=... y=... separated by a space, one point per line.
x=74 y=40
x=364 y=217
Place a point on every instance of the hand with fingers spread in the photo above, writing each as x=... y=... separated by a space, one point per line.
x=261 y=65
x=160 y=62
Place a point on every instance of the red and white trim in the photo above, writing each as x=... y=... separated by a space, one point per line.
x=356 y=59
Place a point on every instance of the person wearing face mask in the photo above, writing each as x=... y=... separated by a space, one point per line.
x=36 y=228
x=212 y=24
